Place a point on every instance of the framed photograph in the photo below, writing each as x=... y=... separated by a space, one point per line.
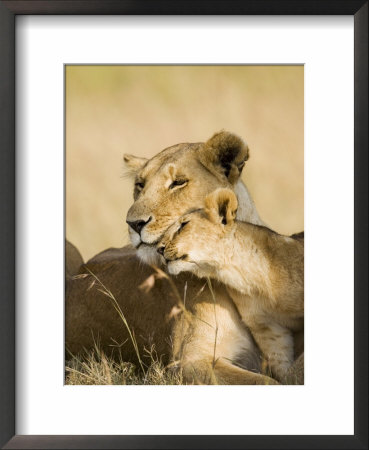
x=141 y=147
x=147 y=101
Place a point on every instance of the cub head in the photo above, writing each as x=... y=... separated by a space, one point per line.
x=194 y=242
x=176 y=181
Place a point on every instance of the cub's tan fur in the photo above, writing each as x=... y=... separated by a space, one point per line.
x=264 y=271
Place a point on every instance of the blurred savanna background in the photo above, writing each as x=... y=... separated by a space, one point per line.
x=111 y=110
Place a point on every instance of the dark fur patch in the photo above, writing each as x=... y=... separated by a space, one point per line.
x=223 y=211
x=298 y=235
x=227 y=157
x=229 y=152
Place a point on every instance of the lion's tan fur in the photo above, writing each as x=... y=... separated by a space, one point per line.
x=263 y=270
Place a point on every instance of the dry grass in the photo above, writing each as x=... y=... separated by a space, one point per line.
x=95 y=368
x=143 y=109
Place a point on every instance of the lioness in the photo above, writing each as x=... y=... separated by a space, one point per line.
x=209 y=340
x=263 y=270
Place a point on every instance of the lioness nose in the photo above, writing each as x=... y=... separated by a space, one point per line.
x=161 y=250
x=137 y=225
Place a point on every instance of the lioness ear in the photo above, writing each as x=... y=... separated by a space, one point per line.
x=221 y=206
x=227 y=153
x=134 y=162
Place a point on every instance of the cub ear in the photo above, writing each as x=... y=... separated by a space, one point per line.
x=221 y=206
x=134 y=162
x=226 y=153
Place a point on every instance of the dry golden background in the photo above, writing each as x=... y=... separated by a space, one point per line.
x=111 y=110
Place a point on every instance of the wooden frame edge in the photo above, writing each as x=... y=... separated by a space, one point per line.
x=8 y=12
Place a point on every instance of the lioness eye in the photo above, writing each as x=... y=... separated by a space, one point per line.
x=183 y=224
x=177 y=183
x=139 y=186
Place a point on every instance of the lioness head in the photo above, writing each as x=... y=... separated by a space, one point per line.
x=193 y=242
x=177 y=180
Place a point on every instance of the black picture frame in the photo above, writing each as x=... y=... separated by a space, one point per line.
x=8 y=12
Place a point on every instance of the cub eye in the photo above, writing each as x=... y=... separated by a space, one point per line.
x=139 y=186
x=183 y=224
x=178 y=183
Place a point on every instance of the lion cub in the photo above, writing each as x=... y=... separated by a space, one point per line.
x=264 y=271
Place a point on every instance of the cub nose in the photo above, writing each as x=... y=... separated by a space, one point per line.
x=137 y=225
x=161 y=250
